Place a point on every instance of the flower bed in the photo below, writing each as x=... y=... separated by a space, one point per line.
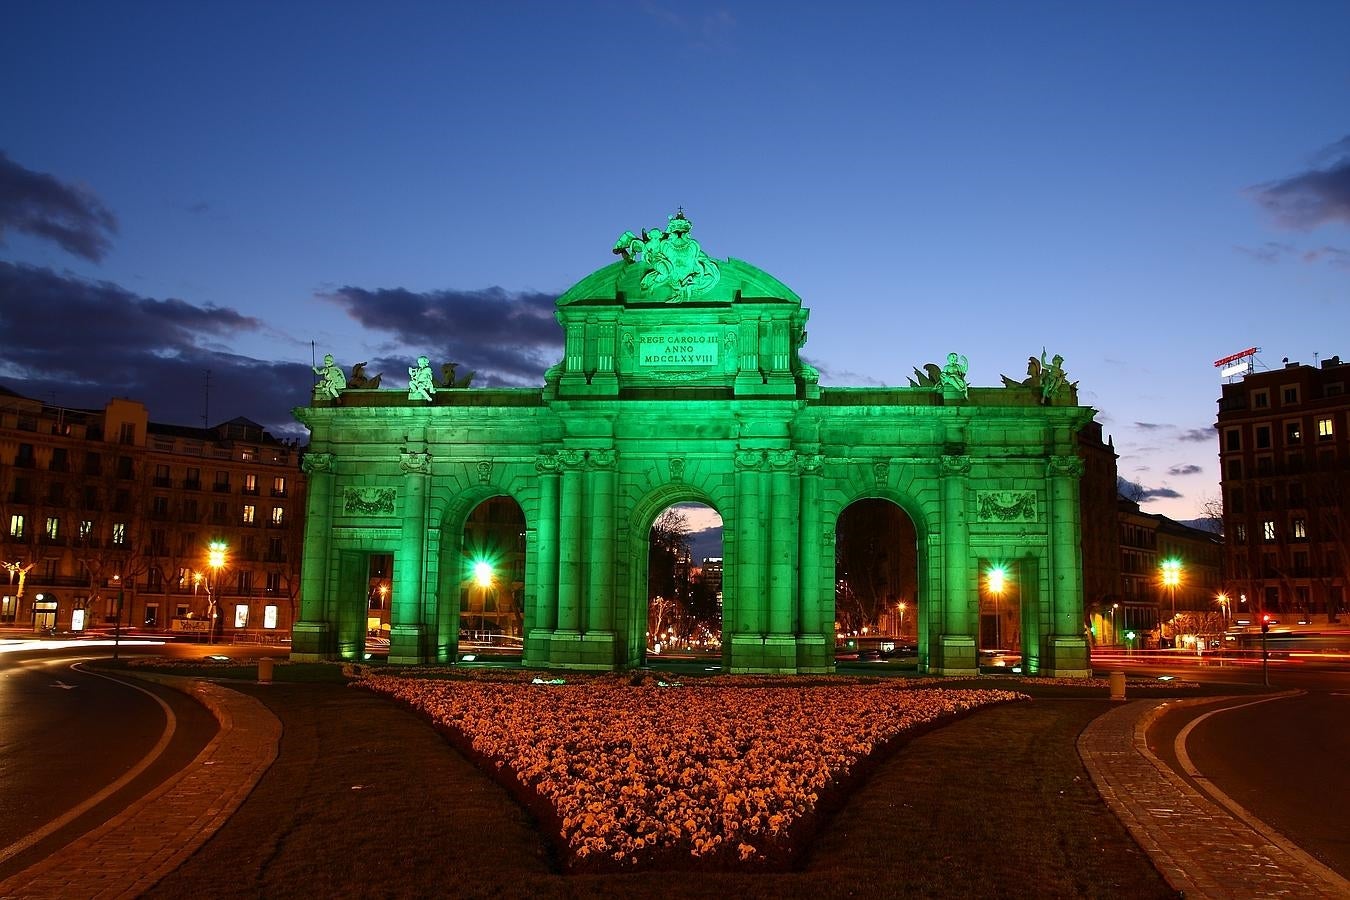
x=635 y=775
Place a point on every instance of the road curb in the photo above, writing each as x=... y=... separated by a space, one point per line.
x=128 y=854
x=1198 y=846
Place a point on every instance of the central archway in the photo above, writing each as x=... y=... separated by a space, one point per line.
x=878 y=607
x=684 y=584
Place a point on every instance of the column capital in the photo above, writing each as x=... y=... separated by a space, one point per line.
x=602 y=459
x=546 y=463
x=415 y=462
x=810 y=463
x=1058 y=466
x=749 y=460
x=318 y=463
x=782 y=460
x=570 y=458
x=956 y=465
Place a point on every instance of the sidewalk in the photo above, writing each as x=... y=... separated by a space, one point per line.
x=1201 y=848
x=152 y=837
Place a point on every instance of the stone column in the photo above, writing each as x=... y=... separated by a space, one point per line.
x=312 y=635
x=957 y=643
x=547 y=543
x=572 y=463
x=748 y=604
x=810 y=545
x=784 y=513
x=410 y=571
x=1066 y=648
x=600 y=580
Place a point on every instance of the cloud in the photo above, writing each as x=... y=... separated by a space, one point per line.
x=1133 y=490
x=842 y=376
x=1270 y=252
x=508 y=338
x=1197 y=435
x=1334 y=256
x=38 y=204
x=1186 y=469
x=1314 y=197
x=1150 y=426
x=87 y=342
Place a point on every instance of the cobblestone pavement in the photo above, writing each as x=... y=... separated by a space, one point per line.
x=1201 y=848
x=153 y=836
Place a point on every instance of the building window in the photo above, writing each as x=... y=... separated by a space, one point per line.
x=159 y=507
x=222 y=484
x=1299 y=529
x=193 y=482
x=218 y=515
x=1262 y=437
x=1240 y=533
x=1290 y=394
x=1232 y=439
x=53 y=529
x=16 y=527
x=1260 y=399
x=245 y=581
x=249 y=454
x=241 y=615
x=1268 y=530
x=162 y=475
x=1326 y=429
x=250 y=484
x=1235 y=501
x=1264 y=466
x=1295 y=493
x=1265 y=496
x=1235 y=470
x=86 y=529
x=273 y=582
x=249 y=511
x=278 y=515
x=269 y=617
x=180 y=611
x=279 y=486
x=1293 y=432
x=119 y=534
x=152 y=615
x=126 y=469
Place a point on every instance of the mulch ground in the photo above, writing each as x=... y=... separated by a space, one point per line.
x=367 y=800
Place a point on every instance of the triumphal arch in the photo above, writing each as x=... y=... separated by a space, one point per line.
x=681 y=380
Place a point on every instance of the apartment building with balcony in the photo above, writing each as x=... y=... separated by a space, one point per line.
x=101 y=507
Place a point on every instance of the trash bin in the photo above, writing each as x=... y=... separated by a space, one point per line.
x=1117 y=685
x=265 y=670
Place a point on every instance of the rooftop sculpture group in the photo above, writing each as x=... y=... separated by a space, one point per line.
x=677 y=269
x=422 y=383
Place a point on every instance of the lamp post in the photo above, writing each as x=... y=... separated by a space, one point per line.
x=1222 y=600
x=902 y=606
x=482 y=575
x=1114 y=607
x=1171 y=577
x=215 y=561
x=117 y=622
x=995 y=580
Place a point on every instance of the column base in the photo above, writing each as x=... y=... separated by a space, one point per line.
x=1065 y=657
x=311 y=641
x=774 y=654
x=953 y=654
x=815 y=654
x=405 y=646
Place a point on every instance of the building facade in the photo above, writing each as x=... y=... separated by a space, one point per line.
x=681 y=381
x=1284 y=450
x=104 y=509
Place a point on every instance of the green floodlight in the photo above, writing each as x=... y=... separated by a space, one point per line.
x=482 y=573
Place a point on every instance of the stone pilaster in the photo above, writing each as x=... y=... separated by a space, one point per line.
x=1065 y=650
x=405 y=613
x=312 y=635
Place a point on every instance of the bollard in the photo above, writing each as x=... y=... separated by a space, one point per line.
x=1117 y=685
x=265 y=670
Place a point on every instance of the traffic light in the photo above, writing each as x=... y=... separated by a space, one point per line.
x=1265 y=624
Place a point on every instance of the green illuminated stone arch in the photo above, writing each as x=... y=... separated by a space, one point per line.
x=681 y=379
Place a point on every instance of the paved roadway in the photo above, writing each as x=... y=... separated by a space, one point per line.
x=66 y=735
x=1281 y=759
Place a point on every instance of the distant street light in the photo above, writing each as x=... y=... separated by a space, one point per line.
x=482 y=576
x=995 y=579
x=1114 y=607
x=902 y=606
x=117 y=622
x=216 y=558
x=1171 y=577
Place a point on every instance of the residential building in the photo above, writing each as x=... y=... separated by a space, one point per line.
x=1284 y=449
x=101 y=507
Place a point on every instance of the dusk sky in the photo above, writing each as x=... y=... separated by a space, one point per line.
x=1141 y=187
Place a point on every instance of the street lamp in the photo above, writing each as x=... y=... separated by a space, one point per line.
x=902 y=606
x=482 y=576
x=1114 y=607
x=117 y=622
x=1222 y=600
x=216 y=558
x=995 y=580
x=1171 y=577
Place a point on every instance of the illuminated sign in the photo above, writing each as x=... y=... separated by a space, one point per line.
x=1241 y=368
x=1250 y=351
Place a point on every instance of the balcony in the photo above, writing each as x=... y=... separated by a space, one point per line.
x=221 y=488
x=163 y=482
x=192 y=485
